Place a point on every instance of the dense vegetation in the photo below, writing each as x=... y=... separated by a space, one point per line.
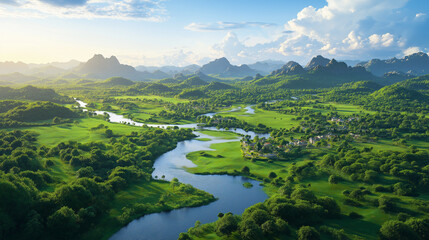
x=347 y=158
x=39 y=205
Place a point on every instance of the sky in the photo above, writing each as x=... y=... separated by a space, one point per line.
x=183 y=32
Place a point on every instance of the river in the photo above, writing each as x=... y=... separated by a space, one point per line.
x=232 y=195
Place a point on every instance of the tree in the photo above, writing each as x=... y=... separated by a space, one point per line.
x=330 y=205
x=303 y=194
x=333 y=179
x=184 y=236
x=174 y=183
x=393 y=230
x=308 y=233
x=245 y=170
x=272 y=175
x=226 y=225
x=386 y=204
x=63 y=224
x=420 y=226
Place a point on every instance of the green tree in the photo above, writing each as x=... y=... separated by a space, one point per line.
x=393 y=230
x=308 y=233
x=226 y=225
x=63 y=224
x=245 y=170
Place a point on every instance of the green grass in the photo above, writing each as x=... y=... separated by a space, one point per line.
x=209 y=161
x=151 y=97
x=269 y=118
x=220 y=134
x=147 y=193
x=52 y=135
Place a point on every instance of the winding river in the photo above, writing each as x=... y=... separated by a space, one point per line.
x=232 y=196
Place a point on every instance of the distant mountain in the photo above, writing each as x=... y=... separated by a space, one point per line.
x=321 y=75
x=12 y=67
x=17 y=78
x=415 y=64
x=171 y=70
x=290 y=68
x=100 y=67
x=317 y=61
x=352 y=62
x=266 y=67
x=394 y=77
x=223 y=68
x=39 y=69
x=47 y=71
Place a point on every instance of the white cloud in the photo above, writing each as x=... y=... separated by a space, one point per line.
x=339 y=28
x=221 y=26
x=237 y=51
x=149 y=10
x=420 y=15
x=385 y=40
x=411 y=50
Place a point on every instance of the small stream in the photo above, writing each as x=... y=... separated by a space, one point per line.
x=232 y=195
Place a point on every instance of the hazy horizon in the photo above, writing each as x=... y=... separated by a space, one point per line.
x=183 y=32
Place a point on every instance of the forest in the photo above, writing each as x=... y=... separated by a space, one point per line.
x=337 y=161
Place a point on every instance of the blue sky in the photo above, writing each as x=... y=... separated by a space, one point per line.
x=181 y=32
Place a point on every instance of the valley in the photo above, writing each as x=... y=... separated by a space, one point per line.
x=236 y=160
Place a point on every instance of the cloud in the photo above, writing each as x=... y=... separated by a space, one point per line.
x=9 y=2
x=411 y=50
x=345 y=28
x=237 y=51
x=221 y=26
x=420 y=15
x=385 y=40
x=149 y=10
x=64 y=3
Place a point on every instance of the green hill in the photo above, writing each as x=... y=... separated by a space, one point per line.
x=213 y=86
x=193 y=82
x=33 y=93
x=157 y=88
x=389 y=94
x=418 y=83
x=37 y=111
x=191 y=94
x=117 y=81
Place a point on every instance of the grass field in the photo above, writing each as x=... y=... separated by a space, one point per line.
x=165 y=99
x=269 y=118
x=81 y=132
x=227 y=157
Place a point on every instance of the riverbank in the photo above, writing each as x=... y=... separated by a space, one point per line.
x=143 y=198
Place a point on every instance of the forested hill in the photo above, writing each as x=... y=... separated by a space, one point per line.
x=335 y=73
x=34 y=94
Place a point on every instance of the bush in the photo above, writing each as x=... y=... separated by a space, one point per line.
x=393 y=230
x=308 y=233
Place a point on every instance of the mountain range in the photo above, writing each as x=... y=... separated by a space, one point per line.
x=223 y=68
x=415 y=64
x=99 y=67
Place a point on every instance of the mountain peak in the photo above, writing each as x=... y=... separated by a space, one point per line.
x=319 y=60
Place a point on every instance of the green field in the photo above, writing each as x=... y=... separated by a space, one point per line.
x=81 y=132
x=269 y=118
x=152 y=97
